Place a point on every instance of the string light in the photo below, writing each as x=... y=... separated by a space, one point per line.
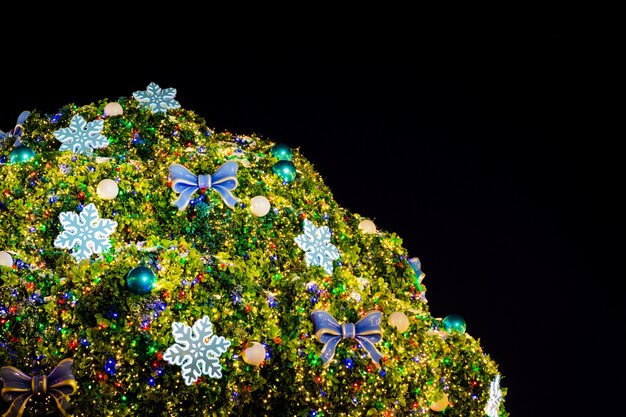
x=243 y=271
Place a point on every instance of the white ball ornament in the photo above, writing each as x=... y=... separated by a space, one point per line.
x=399 y=320
x=367 y=226
x=107 y=189
x=440 y=405
x=6 y=259
x=113 y=109
x=259 y=206
x=254 y=355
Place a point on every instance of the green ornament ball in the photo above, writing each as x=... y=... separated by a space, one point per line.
x=22 y=153
x=454 y=323
x=140 y=280
x=285 y=170
x=282 y=152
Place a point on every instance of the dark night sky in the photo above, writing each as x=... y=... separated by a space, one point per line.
x=474 y=148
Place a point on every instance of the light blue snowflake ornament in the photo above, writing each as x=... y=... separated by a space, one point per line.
x=157 y=100
x=81 y=137
x=495 y=398
x=85 y=233
x=315 y=241
x=197 y=350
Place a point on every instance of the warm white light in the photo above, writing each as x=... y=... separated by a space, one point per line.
x=441 y=404
x=6 y=259
x=107 y=189
x=259 y=206
x=113 y=109
x=255 y=354
x=399 y=320
x=367 y=226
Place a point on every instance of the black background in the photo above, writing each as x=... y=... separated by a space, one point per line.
x=482 y=148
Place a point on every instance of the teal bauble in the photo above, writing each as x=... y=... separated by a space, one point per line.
x=454 y=323
x=285 y=170
x=282 y=152
x=22 y=153
x=140 y=280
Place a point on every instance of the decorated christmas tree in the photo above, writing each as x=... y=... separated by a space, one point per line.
x=151 y=266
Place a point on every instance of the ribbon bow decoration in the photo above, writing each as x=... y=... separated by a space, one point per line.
x=366 y=331
x=19 y=388
x=16 y=132
x=185 y=183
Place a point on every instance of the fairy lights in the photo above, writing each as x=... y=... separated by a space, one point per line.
x=242 y=270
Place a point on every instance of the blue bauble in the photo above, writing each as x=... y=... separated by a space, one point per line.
x=282 y=152
x=140 y=280
x=285 y=170
x=454 y=323
x=22 y=153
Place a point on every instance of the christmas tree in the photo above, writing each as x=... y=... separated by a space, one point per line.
x=150 y=265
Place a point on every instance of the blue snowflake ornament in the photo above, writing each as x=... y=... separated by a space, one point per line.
x=82 y=137
x=197 y=350
x=315 y=241
x=85 y=233
x=492 y=409
x=157 y=100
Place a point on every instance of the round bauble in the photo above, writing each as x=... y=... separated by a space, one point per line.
x=254 y=355
x=282 y=152
x=107 y=189
x=259 y=206
x=285 y=170
x=399 y=320
x=113 y=109
x=441 y=404
x=6 y=259
x=22 y=153
x=454 y=323
x=367 y=226
x=140 y=280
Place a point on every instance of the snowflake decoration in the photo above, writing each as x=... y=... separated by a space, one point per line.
x=85 y=233
x=82 y=137
x=157 y=100
x=495 y=397
x=315 y=241
x=197 y=350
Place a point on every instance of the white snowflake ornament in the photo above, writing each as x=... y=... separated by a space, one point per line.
x=85 y=233
x=495 y=398
x=315 y=241
x=82 y=137
x=156 y=99
x=197 y=350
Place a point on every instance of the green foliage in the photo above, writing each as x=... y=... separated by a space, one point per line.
x=215 y=261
